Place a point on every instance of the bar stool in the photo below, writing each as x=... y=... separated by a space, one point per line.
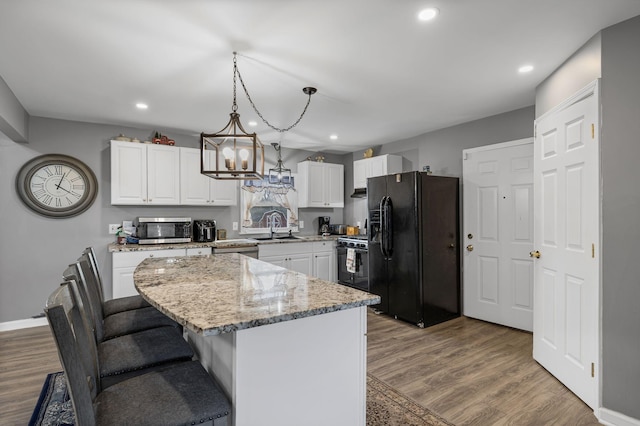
x=112 y=306
x=180 y=394
x=117 y=324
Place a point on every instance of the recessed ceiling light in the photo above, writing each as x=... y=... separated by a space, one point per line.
x=333 y=137
x=525 y=68
x=253 y=123
x=428 y=14
x=141 y=105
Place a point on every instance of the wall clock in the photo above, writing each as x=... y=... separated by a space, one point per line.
x=57 y=185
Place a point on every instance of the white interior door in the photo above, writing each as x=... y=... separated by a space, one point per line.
x=498 y=233
x=566 y=238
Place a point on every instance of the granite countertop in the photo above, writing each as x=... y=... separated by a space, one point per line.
x=239 y=242
x=223 y=293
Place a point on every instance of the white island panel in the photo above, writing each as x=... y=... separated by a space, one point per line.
x=311 y=370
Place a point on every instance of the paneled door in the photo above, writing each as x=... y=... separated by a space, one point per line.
x=498 y=233
x=567 y=243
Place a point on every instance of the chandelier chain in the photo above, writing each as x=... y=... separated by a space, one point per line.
x=253 y=105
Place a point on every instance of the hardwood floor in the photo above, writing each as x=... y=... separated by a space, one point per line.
x=26 y=357
x=469 y=372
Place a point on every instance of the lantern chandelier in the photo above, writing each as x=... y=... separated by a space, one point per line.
x=280 y=175
x=220 y=151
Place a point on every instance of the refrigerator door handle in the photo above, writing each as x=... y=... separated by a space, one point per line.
x=388 y=227
x=382 y=226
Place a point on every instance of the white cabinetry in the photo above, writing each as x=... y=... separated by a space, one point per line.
x=125 y=263
x=317 y=259
x=294 y=256
x=325 y=261
x=197 y=189
x=144 y=174
x=320 y=184
x=375 y=166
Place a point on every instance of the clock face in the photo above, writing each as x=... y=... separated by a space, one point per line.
x=56 y=185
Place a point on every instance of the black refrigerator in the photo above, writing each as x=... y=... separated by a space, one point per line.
x=414 y=260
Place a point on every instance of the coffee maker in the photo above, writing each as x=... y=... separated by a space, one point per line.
x=323 y=225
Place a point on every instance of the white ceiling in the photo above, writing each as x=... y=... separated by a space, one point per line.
x=381 y=75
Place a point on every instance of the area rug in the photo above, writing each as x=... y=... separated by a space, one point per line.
x=385 y=406
x=388 y=407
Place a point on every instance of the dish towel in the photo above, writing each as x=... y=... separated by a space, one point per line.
x=351 y=260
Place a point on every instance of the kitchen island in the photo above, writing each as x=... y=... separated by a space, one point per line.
x=288 y=349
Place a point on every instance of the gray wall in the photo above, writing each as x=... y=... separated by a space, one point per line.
x=442 y=150
x=35 y=250
x=620 y=153
x=577 y=71
x=13 y=118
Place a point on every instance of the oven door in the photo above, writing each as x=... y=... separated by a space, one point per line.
x=358 y=279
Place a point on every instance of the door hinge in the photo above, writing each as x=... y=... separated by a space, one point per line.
x=593 y=370
x=593 y=250
x=593 y=131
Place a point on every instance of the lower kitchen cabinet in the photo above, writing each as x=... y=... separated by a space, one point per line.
x=125 y=263
x=325 y=261
x=317 y=259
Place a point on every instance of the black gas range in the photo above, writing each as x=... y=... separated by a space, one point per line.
x=355 y=272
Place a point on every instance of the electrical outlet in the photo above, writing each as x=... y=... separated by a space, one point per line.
x=113 y=228
x=235 y=226
x=358 y=224
x=301 y=224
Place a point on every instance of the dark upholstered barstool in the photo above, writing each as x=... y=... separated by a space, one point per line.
x=117 y=324
x=132 y=354
x=180 y=394
x=112 y=306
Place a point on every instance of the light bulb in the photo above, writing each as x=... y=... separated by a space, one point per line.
x=229 y=158
x=244 y=156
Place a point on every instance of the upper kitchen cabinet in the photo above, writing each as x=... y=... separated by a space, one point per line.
x=144 y=174
x=197 y=189
x=375 y=166
x=320 y=184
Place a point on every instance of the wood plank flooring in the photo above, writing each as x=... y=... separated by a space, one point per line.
x=470 y=372
x=26 y=357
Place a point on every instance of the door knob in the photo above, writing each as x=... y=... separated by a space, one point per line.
x=535 y=254
x=470 y=247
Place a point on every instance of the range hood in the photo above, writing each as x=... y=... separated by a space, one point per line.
x=359 y=193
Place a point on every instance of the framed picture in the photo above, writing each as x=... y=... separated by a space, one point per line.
x=266 y=206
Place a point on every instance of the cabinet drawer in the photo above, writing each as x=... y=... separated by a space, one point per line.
x=133 y=258
x=198 y=251
x=322 y=246
x=284 y=249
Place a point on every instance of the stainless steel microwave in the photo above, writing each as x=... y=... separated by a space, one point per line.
x=162 y=230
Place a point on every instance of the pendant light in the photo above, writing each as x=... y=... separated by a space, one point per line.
x=232 y=153
x=280 y=175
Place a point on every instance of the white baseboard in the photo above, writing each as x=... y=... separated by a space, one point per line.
x=613 y=418
x=25 y=323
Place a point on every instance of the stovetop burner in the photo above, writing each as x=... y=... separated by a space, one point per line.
x=353 y=241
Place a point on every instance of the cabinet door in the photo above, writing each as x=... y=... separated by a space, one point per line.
x=334 y=185
x=194 y=186
x=300 y=263
x=125 y=263
x=377 y=166
x=315 y=185
x=223 y=192
x=163 y=173
x=128 y=173
x=198 y=251
x=322 y=266
x=360 y=173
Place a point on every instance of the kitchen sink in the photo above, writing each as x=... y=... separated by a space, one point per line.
x=284 y=237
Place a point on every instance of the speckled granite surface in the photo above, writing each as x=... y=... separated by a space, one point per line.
x=239 y=242
x=222 y=293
